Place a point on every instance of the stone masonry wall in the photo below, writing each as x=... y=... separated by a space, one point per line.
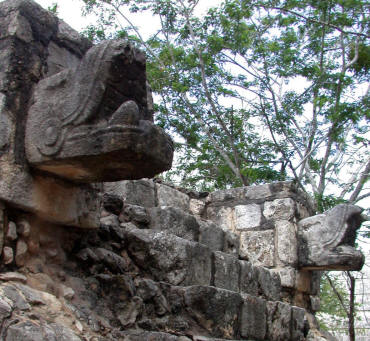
x=259 y=222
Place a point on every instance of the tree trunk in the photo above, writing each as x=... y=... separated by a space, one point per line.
x=351 y=317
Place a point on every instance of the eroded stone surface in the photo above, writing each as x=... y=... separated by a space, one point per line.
x=72 y=141
x=286 y=242
x=326 y=241
x=258 y=247
x=253 y=317
x=247 y=217
x=279 y=209
x=168 y=196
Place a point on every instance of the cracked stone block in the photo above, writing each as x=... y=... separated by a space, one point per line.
x=278 y=321
x=211 y=235
x=169 y=258
x=223 y=216
x=248 y=279
x=279 y=209
x=258 y=247
x=175 y=221
x=298 y=324
x=253 y=318
x=21 y=252
x=268 y=283
x=247 y=217
x=222 y=321
x=226 y=271
x=168 y=196
x=287 y=277
x=286 y=242
x=137 y=192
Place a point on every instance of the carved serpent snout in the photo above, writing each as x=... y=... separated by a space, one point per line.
x=326 y=241
x=99 y=110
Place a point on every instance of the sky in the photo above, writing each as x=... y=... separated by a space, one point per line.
x=69 y=11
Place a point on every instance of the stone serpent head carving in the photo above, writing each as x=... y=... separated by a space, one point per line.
x=326 y=241
x=93 y=122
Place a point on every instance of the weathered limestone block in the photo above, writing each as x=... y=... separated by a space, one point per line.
x=258 y=247
x=11 y=234
x=169 y=258
x=278 y=321
x=226 y=271
x=253 y=318
x=197 y=207
x=175 y=221
x=137 y=214
x=326 y=241
x=226 y=195
x=247 y=217
x=168 y=196
x=139 y=192
x=286 y=242
x=287 y=276
x=231 y=243
x=258 y=192
x=223 y=216
x=21 y=252
x=223 y=319
x=211 y=235
x=8 y=255
x=279 y=209
x=259 y=281
x=248 y=279
x=298 y=324
x=269 y=284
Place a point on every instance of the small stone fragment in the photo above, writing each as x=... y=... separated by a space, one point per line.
x=13 y=276
x=66 y=292
x=21 y=252
x=8 y=255
x=11 y=235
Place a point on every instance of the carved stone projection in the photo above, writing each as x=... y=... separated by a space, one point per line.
x=92 y=123
x=326 y=241
x=70 y=114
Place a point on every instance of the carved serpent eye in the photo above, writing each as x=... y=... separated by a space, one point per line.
x=50 y=140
